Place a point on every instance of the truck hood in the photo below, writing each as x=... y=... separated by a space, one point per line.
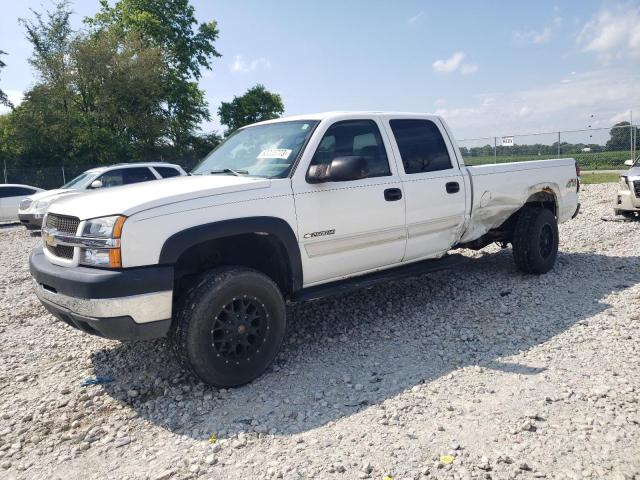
x=130 y=199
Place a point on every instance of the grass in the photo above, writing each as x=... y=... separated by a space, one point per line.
x=596 y=177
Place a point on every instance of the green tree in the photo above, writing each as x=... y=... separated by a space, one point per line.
x=188 y=46
x=4 y=100
x=256 y=105
x=100 y=97
x=621 y=136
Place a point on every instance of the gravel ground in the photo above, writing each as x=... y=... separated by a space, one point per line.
x=480 y=372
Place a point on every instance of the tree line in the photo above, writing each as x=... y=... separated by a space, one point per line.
x=620 y=140
x=122 y=88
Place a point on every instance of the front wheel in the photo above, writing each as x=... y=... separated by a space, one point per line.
x=535 y=240
x=229 y=326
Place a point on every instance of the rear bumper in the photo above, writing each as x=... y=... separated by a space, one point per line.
x=132 y=304
x=31 y=220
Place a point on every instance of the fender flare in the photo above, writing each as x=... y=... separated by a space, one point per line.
x=180 y=242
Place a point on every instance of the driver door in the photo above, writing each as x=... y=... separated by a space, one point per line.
x=349 y=227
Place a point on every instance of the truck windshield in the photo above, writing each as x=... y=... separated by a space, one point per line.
x=261 y=151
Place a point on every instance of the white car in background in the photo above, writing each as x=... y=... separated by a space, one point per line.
x=33 y=208
x=10 y=197
x=628 y=197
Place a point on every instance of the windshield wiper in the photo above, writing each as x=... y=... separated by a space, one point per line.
x=237 y=173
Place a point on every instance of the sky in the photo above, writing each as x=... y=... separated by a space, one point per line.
x=489 y=68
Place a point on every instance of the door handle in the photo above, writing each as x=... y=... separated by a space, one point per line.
x=392 y=194
x=453 y=187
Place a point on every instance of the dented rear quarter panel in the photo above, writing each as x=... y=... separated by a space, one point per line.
x=500 y=190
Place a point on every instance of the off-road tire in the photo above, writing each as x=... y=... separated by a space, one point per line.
x=205 y=307
x=535 y=240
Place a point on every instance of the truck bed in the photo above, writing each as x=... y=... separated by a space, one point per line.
x=499 y=190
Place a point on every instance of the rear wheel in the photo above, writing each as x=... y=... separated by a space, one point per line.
x=229 y=326
x=535 y=240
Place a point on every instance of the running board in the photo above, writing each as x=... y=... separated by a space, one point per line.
x=371 y=279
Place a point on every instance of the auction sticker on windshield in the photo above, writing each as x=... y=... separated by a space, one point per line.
x=282 y=153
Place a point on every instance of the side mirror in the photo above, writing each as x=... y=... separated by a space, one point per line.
x=628 y=163
x=96 y=184
x=341 y=169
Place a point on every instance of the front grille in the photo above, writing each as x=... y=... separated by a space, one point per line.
x=61 y=251
x=636 y=188
x=63 y=224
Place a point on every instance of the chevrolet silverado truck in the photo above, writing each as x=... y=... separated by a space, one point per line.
x=287 y=210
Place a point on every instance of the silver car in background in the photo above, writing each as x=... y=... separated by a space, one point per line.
x=11 y=195
x=33 y=208
x=628 y=197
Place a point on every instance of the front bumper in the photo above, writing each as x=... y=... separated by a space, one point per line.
x=133 y=304
x=32 y=221
x=626 y=200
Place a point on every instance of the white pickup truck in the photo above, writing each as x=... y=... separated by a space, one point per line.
x=291 y=209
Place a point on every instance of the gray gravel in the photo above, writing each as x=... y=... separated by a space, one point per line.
x=510 y=376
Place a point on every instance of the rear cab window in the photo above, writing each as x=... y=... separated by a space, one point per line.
x=421 y=145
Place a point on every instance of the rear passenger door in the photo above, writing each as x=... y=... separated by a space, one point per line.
x=432 y=183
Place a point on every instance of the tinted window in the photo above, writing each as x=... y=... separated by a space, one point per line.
x=6 y=192
x=137 y=175
x=354 y=137
x=112 y=178
x=421 y=145
x=167 y=172
x=126 y=176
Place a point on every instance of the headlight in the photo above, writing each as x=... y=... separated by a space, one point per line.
x=41 y=206
x=26 y=203
x=109 y=228
x=623 y=183
x=105 y=227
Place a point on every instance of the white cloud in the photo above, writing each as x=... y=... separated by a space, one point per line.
x=15 y=97
x=468 y=69
x=613 y=34
x=454 y=63
x=621 y=117
x=538 y=37
x=415 y=18
x=240 y=65
x=440 y=102
x=551 y=107
x=449 y=65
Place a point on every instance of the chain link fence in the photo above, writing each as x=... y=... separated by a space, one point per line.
x=593 y=148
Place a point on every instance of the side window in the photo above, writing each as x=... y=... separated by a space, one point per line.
x=167 y=172
x=111 y=178
x=421 y=145
x=354 y=137
x=6 y=192
x=22 y=192
x=137 y=175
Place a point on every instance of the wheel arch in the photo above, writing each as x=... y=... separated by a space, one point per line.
x=272 y=234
